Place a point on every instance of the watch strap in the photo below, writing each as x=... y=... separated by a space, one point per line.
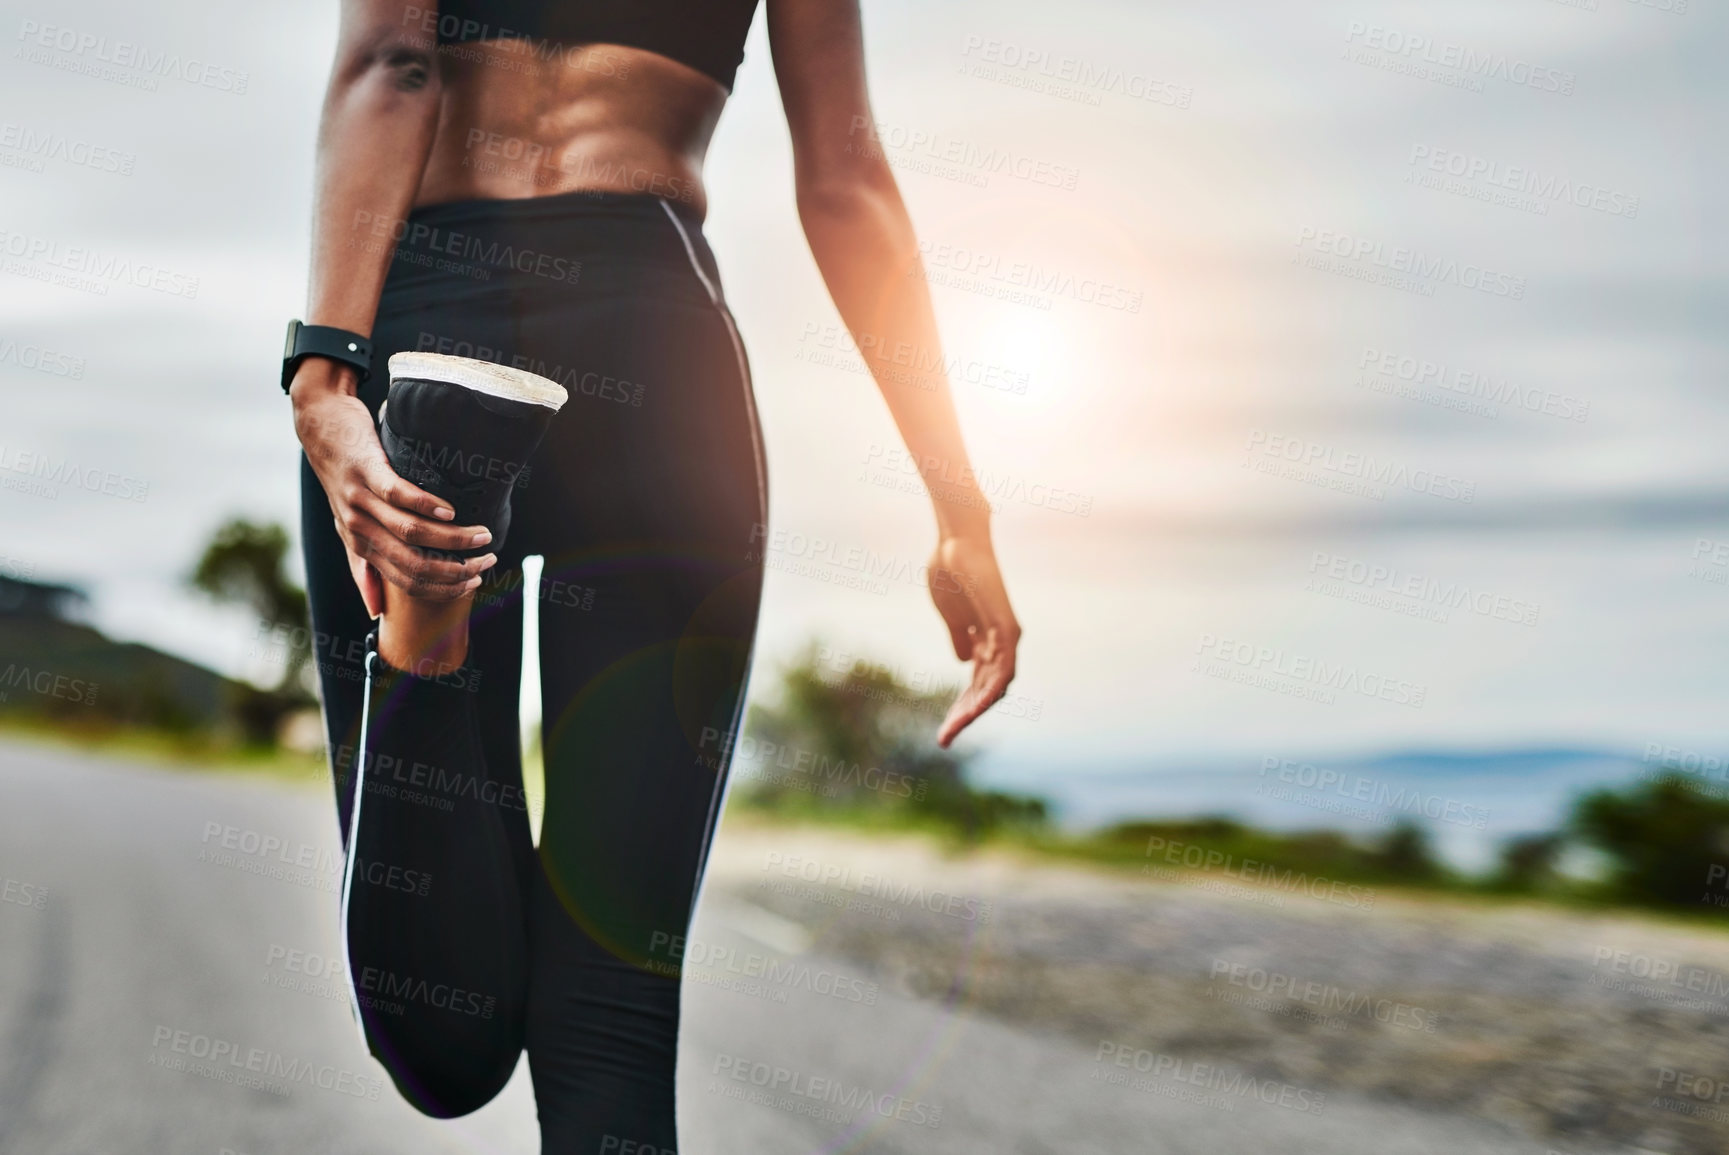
x=324 y=341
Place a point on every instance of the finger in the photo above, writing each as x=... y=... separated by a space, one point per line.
x=366 y=579
x=390 y=487
x=965 y=711
x=421 y=589
x=992 y=673
x=372 y=590
x=410 y=527
x=419 y=572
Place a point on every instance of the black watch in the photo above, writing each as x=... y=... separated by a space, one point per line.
x=324 y=341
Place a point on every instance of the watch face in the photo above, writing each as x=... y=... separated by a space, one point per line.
x=293 y=336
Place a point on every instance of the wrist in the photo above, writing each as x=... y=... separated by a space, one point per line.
x=317 y=377
x=963 y=517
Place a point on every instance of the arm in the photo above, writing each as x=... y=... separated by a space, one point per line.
x=380 y=113
x=864 y=247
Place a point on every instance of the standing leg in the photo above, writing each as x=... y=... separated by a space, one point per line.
x=647 y=517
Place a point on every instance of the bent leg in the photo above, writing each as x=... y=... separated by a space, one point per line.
x=437 y=842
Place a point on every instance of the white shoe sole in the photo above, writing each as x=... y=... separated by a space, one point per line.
x=480 y=376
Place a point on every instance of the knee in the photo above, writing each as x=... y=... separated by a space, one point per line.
x=444 y=1070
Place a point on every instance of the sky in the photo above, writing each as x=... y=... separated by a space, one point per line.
x=1350 y=376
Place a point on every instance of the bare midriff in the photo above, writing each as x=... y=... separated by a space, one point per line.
x=520 y=120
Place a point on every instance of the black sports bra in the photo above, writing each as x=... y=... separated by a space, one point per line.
x=708 y=35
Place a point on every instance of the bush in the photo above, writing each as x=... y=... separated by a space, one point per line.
x=863 y=744
x=1667 y=841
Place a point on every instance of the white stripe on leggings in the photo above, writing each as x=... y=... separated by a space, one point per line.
x=762 y=507
x=354 y=849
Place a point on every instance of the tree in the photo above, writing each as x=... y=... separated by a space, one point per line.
x=1405 y=854
x=244 y=565
x=865 y=741
x=1528 y=862
x=1668 y=840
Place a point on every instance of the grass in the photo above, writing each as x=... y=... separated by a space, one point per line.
x=1123 y=851
x=190 y=752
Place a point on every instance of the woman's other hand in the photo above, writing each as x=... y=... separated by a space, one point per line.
x=967 y=588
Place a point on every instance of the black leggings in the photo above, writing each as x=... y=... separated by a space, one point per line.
x=647 y=500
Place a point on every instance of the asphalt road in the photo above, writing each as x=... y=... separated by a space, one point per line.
x=135 y=949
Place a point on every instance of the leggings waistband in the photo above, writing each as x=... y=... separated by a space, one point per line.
x=557 y=208
x=531 y=239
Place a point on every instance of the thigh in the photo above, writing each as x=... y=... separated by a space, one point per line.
x=647 y=516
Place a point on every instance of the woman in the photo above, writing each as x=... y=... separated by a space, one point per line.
x=520 y=183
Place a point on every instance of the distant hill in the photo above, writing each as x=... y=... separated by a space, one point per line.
x=55 y=667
